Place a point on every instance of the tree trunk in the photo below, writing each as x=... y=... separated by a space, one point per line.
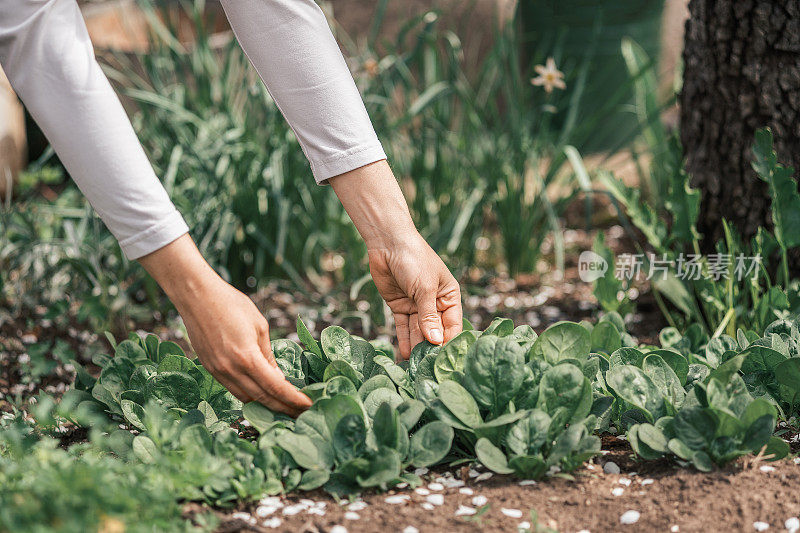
x=742 y=72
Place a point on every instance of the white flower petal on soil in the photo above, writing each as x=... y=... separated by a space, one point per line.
x=272 y=523
x=350 y=515
x=463 y=510
x=792 y=524
x=263 y=511
x=410 y=529
x=338 y=529
x=465 y=491
x=624 y=481
x=648 y=481
x=435 y=486
x=292 y=510
x=629 y=517
x=483 y=477
x=480 y=500
x=435 y=499
x=421 y=471
x=526 y=482
x=760 y=526
x=617 y=491
x=271 y=501
x=611 y=468
x=427 y=506
x=422 y=491
x=397 y=498
x=357 y=506
x=511 y=513
x=766 y=468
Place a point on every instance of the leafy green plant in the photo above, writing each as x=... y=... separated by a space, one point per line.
x=748 y=296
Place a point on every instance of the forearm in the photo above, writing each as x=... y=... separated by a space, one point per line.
x=293 y=50
x=375 y=203
x=48 y=58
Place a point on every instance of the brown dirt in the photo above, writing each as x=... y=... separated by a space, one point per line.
x=726 y=500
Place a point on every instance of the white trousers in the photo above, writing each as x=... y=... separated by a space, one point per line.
x=47 y=55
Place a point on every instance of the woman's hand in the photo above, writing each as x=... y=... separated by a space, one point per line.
x=422 y=294
x=228 y=333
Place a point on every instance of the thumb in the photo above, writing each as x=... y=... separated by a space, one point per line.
x=429 y=322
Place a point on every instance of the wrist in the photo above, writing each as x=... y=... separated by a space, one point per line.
x=375 y=203
x=180 y=271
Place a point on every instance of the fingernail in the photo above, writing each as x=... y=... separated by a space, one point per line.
x=436 y=336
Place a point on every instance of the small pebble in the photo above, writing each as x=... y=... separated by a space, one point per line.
x=396 y=499
x=483 y=477
x=584 y=531
x=463 y=510
x=796 y=460
x=792 y=524
x=675 y=528
x=410 y=529
x=524 y=525
x=421 y=471
x=435 y=499
x=512 y=513
x=611 y=468
x=350 y=515
x=272 y=523
x=401 y=485
x=475 y=473
x=526 y=482
x=357 y=506
x=338 y=529
x=766 y=468
x=629 y=517
x=760 y=526
x=435 y=486
x=422 y=491
x=480 y=500
x=242 y=516
x=624 y=481
x=292 y=510
x=617 y=491
x=648 y=481
x=465 y=491
x=427 y=506
x=263 y=511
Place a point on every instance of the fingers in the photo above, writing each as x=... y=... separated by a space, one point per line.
x=267 y=385
x=415 y=333
x=449 y=304
x=266 y=347
x=428 y=318
x=401 y=322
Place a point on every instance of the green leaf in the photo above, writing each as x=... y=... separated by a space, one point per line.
x=410 y=412
x=776 y=449
x=563 y=340
x=492 y=457
x=785 y=207
x=676 y=361
x=501 y=327
x=459 y=401
x=565 y=387
x=695 y=427
x=134 y=413
x=349 y=437
x=418 y=354
x=336 y=343
x=636 y=388
x=605 y=338
x=378 y=397
x=166 y=348
x=259 y=416
x=452 y=355
x=308 y=339
x=303 y=450
x=336 y=408
x=430 y=444
x=494 y=371
x=389 y=431
x=176 y=363
x=174 y=389
x=664 y=378
x=144 y=449
x=528 y=466
x=528 y=435
x=381 y=381
x=340 y=367
x=340 y=385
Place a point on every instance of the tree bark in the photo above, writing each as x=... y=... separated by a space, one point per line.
x=741 y=73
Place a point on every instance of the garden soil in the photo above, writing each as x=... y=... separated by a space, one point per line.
x=732 y=499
